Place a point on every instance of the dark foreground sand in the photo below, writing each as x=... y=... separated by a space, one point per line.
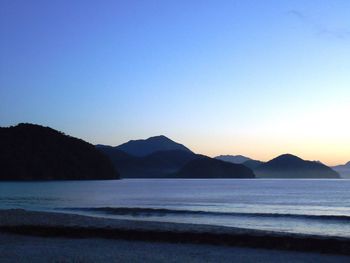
x=18 y=248
x=53 y=237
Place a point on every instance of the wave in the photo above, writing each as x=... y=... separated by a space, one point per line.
x=148 y=212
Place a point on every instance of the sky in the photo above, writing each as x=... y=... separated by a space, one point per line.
x=251 y=77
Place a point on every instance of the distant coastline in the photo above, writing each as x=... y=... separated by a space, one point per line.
x=34 y=152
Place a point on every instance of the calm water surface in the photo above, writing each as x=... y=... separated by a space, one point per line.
x=300 y=206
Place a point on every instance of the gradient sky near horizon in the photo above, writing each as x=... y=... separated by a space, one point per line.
x=258 y=78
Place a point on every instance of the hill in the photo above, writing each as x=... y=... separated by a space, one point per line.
x=178 y=163
x=205 y=167
x=252 y=164
x=153 y=144
x=156 y=165
x=232 y=158
x=34 y=152
x=343 y=170
x=290 y=166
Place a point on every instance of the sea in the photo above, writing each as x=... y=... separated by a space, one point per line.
x=303 y=206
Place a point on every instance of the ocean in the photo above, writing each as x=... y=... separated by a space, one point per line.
x=310 y=206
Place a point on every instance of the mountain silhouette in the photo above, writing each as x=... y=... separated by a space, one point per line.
x=290 y=166
x=233 y=158
x=205 y=167
x=252 y=164
x=343 y=170
x=150 y=145
x=240 y=159
x=34 y=152
x=176 y=163
x=155 y=165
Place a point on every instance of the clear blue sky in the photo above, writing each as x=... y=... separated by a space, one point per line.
x=258 y=78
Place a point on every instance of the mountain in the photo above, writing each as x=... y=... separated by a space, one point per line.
x=343 y=170
x=34 y=152
x=290 y=166
x=150 y=145
x=155 y=165
x=240 y=159
x=205 y=167
x=232 y=158
x=113 y=153
x=252 y=164
x=174 y=163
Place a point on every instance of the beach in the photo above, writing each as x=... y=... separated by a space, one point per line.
x=19 y=248
x=56 y=237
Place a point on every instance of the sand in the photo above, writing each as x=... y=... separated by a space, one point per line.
x=18 y=248
x=54 y=237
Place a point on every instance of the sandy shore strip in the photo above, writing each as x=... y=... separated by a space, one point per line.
x=28 y=249
x=53 y=225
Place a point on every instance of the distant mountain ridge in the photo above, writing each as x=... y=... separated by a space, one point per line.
x=206 y=167
x=343 y=170
x=155 y=157
x=343 y=165
x=252 y=164
x=155 y=165
x=34 y=152
x=238 y=159
x=291 y=166
x=186 y=164
x=145 y=147
x=178 y=162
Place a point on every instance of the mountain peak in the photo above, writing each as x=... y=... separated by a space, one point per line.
x=291 y=166
x=150 y=145
x=288 y=156
x=152 y=138
x=159 y=137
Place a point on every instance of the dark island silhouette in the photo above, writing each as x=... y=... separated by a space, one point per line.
x=290 y=166
x=168 y=159
x=34 y=152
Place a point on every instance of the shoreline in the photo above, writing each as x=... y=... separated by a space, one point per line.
x=60 y=225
